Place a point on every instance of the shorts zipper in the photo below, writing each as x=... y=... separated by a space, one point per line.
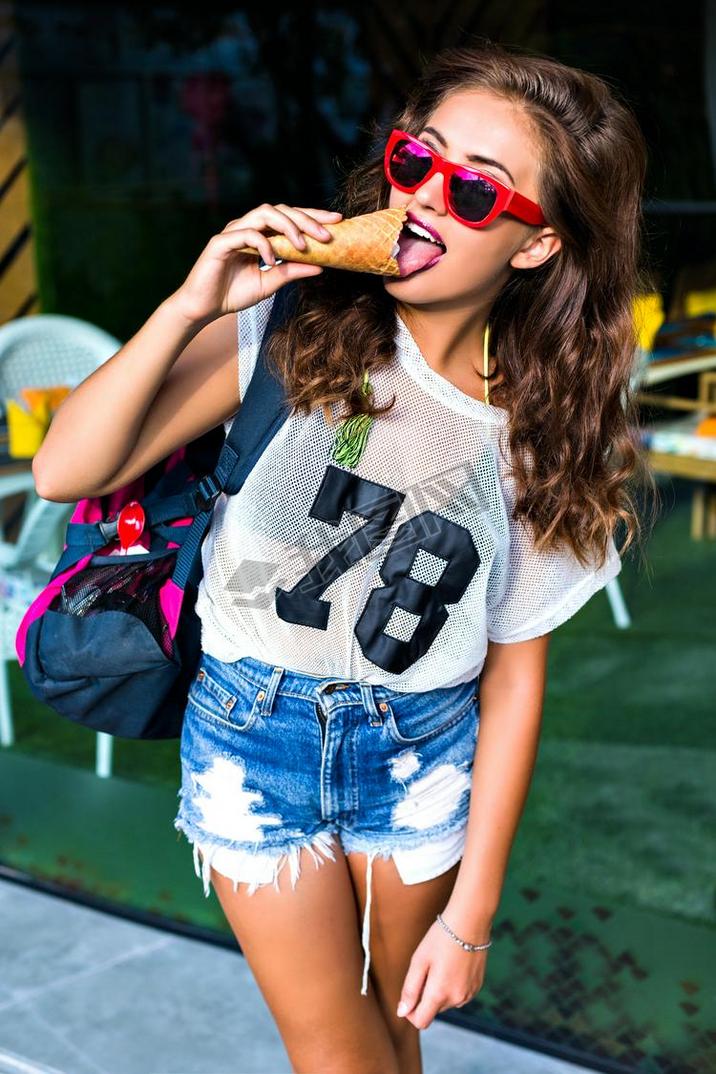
x=322 y=717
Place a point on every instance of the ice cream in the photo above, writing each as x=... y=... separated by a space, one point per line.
x=366 y=243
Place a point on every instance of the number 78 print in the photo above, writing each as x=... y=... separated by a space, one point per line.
x=342 y=491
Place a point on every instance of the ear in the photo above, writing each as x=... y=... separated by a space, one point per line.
x=536 y=250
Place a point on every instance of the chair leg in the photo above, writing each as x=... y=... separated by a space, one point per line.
x=7 y=736
x=698 y=511
x=103 y=761
x=618 y=604
x=711 y=512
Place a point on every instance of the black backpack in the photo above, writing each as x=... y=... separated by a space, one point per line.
x=113 y=641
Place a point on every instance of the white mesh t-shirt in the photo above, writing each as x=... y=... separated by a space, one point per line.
x=396 y=571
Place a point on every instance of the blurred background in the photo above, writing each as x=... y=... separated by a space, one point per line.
x=129 y=134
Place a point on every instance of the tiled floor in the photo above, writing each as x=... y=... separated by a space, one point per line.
x=82 y=992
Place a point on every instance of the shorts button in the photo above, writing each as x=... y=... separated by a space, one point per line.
x=261 y=695
x=383 y=707
x=330 y=688
x=201 y=675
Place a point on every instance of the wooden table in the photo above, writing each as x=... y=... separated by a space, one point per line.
x=701 y=471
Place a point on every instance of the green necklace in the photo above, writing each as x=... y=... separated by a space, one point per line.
x=352 y=436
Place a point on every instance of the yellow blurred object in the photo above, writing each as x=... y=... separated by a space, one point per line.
x=707 y=427
x=648 y=318
x=698 y=302
x=26 y=429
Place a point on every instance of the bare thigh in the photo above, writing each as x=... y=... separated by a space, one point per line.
x=400 y=915
x=303 y=946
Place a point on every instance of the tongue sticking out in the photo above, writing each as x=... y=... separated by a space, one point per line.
x=415 y=253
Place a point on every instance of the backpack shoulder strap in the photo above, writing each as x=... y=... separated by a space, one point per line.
x=264 y=408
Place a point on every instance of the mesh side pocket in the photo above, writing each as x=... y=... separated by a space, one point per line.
x=132 y=588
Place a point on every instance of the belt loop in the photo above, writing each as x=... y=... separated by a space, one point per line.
x=267 y=694
x=374 y=714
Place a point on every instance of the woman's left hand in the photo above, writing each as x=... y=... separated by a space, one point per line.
x=441 y=974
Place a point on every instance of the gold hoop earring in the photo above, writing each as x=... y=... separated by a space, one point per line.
x=485 y=337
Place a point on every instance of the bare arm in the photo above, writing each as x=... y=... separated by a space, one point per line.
x=511 y=691
x=173 y=380
x=441 y=974
x=177 y=377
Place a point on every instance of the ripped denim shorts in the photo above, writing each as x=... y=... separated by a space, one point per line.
x=273 y=760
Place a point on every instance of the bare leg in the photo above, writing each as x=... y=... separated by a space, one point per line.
x=400 y=915
x=303 y=946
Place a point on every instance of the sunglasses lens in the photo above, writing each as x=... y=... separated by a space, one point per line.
x=472 y=198
x=409 y=163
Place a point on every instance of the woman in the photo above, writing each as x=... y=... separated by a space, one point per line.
x=370 y=574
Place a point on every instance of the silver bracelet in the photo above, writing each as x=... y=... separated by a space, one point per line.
x=463 y=943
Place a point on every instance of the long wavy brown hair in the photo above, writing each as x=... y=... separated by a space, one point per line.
x=563 y=334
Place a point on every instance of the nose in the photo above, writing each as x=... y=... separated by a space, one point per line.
x=431 y=194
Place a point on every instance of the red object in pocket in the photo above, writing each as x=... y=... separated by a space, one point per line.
x=130 y=523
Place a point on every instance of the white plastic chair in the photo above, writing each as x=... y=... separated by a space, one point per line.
x=40 y=351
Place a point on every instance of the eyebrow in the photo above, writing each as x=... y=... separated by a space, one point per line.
x=472 y=156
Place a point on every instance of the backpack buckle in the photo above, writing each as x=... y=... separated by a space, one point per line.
x=206 y=493
x=109 y=528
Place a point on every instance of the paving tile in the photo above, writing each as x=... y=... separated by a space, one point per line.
x=186 y=1007
x=52 y=938
x=28 y=1045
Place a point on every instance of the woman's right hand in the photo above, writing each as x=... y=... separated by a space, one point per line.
x=225 y=280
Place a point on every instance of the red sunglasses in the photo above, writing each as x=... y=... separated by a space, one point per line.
x=472 y=197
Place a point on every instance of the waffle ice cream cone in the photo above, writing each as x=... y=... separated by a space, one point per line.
x=366 y=243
